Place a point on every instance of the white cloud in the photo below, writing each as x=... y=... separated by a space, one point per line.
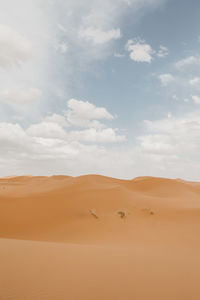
x=89 y=26
x=174 y=143
x=166 y=79
x=81 y=114
x=21 y=153
x=20 y=96
x=53 y=146
x=163 y=51
x=188 y=61
x=156 y=144
x=99 y=36
x=196 y=99
x=195 y=81
x=119 y=55
x=107 y=135
x=37 y=143
x=23 y=60
x=58 y=119
x=47 y=130
x=85 y=114
x=11 y=136
x=14 y=49
x=139 y=51
x=49 y=140
x=169 y=147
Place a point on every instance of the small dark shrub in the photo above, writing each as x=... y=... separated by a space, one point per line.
x=122 y=214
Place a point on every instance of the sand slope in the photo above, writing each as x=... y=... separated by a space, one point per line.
x=52 y=247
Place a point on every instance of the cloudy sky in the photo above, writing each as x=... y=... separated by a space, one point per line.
x=100 y=86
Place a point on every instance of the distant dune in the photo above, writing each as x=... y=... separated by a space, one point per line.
x=99 y=238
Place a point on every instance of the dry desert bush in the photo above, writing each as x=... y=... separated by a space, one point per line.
x=93 y=213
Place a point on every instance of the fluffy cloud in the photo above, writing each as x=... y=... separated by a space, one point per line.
x=33 y=144
x=156 y=144
x=163 y=51
x=85 y=114
x=188 y=61
x=21 y=153
x=99 y=36
x=139 y=51
x=58 y=119
x=195 y=81
x=166 y=79
x=196 y=99
x=11 y=136
x=79 y=114
x=53 y=127
x=107 y=135
x=169 y=147
x=89 y=26
x=173 y=139
x=119 y=55
x=47 y=130
x=20 y=96
x=14 y=48
x=23 y=60
x=53 y=143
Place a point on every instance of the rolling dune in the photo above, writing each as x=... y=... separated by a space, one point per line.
x=94 y=237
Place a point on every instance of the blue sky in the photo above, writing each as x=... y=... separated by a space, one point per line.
x=109 y=87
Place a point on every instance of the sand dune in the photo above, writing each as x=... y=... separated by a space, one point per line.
x=94 y=237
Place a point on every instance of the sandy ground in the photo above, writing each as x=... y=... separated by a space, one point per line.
x=64 y=238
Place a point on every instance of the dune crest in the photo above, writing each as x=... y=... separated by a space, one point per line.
x=57 y=208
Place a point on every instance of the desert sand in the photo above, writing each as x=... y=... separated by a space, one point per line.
x=99 y=238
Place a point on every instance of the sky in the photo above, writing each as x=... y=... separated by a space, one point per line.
x=107 y=87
